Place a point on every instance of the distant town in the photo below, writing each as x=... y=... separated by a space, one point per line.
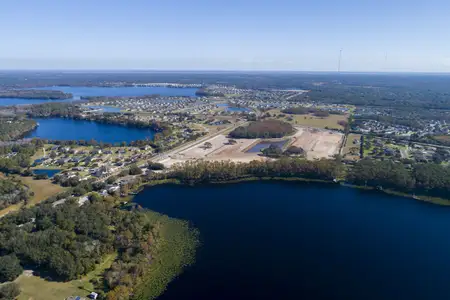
x=68 y=146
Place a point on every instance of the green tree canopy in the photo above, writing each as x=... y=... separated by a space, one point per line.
x=10 y=267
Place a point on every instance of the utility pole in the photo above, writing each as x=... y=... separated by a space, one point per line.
x=340 y=58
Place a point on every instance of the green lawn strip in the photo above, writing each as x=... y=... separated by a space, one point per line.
x=37 y=288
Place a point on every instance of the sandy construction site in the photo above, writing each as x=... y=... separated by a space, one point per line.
x=219 y=149
x=318 y=143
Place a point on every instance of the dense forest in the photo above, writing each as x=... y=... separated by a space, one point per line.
x=263 y=129
x=67 y=241
x=275 y=151
x=386 y=96
x=68 y=110
x=128 y=120
x=205 y=93
x=14 y=158
x=9 y=291
x=12 y=192
x=13 y=128
x=424 y=178
x=35 y=94
x=216 y=171
x=46 y=110
x=428 y=179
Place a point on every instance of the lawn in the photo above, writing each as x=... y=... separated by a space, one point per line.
x=40 y=152
x=42 y=190
x=330 y=122
x=368 y=152
x=11 y=208
x=37 y=288
x=442 y=138
x=349 y=145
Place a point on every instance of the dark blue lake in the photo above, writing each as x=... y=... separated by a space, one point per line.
x=69 y=129
x=102 y=91
x=280 y=240
x=50 y=172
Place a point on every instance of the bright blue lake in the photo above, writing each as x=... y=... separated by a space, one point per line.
x=69 y=129
x=275 y=240
x=238 y=109
x=50 y=172
x=234 y=108
x=122 y=91
x=102 y=91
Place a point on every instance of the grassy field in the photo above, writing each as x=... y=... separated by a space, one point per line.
x=11 y=208
x=39 y=153
x=42 y=190
x=442 y=138
x=367 y=152
x=37 y=288
x=330 y=122
x=350 y=145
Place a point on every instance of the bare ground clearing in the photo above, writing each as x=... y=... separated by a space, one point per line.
x=317 y=143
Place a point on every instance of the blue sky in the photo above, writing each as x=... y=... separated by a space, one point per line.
x=375 y=35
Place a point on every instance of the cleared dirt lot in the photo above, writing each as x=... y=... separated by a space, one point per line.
x=220 y=147
x=317 y=143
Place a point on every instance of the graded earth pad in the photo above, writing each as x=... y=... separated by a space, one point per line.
x=317 y=143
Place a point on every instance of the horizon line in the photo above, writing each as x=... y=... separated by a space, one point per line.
x=131 y=70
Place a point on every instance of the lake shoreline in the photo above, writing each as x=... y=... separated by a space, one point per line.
x=175 y=250
x=73 y=93
x=74 y=129
x=422 y=198
x=306 y=233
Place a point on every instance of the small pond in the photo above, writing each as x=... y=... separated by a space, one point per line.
x=50 y=172
x=234 y=108
x=263 y=145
